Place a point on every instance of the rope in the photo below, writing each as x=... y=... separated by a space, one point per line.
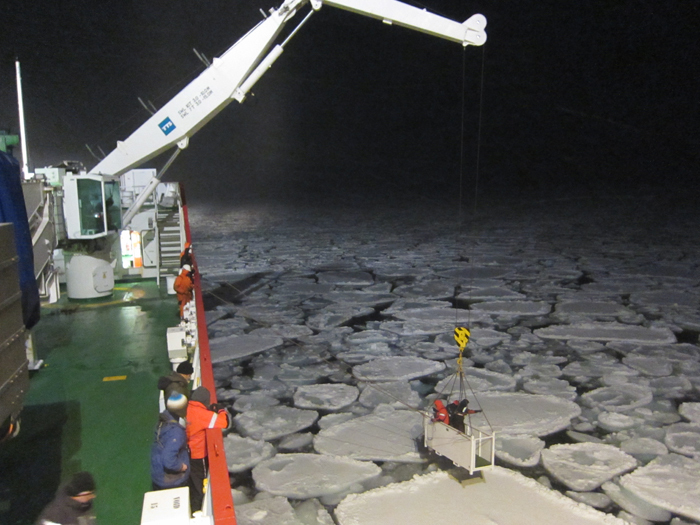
x=462 y=334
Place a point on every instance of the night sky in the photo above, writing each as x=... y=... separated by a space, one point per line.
x=565 y=98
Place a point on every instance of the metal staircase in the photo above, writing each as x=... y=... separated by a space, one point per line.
x=171 y=236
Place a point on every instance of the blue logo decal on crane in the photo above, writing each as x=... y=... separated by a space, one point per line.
x=167 y=126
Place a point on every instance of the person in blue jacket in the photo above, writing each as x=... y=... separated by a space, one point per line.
x=170 y=458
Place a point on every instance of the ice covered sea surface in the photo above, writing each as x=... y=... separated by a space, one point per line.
x=332 y=330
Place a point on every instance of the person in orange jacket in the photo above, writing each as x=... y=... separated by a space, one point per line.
x=200 y=417
x=440 y=412
x=184 y=286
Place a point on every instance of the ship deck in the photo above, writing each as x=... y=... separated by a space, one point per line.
x=93 y=404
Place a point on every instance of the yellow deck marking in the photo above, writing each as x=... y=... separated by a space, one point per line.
x=114 y=378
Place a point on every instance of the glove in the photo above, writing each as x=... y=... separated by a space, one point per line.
x=216 y=407
x=229 y=413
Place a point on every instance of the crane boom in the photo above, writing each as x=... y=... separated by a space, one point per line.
x=230 y=76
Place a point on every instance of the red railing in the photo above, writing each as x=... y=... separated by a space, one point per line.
x=219 y=486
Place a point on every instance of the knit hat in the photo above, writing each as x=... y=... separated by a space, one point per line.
x=185 y=368
x=202 y=395
x=79 y=483
x=177 y=404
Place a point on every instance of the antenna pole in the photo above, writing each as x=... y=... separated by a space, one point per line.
x=22 y=130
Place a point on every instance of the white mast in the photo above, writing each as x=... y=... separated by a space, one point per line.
x=22 y=131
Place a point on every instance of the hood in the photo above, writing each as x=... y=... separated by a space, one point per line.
x=201 y=395
x=163 y=382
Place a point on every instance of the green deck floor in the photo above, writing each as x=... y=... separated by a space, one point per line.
x=76 y=420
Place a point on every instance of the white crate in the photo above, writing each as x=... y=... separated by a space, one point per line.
x=166 y=507
x=176 y=343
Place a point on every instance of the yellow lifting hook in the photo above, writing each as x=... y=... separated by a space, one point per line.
x=462 y=336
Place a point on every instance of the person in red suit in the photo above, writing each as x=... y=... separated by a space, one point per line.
x=201 y=416
x=440 y=412
x=184 y=286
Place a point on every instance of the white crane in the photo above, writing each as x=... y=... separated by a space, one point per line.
x=230 y=77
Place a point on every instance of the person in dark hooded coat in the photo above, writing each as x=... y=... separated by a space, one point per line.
x=457 y=411
x=177 y=382
x=72 y=504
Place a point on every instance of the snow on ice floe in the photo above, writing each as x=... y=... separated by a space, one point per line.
x=330 y=420
x=438 y=316
x=586 y=466
x=493 y=293
x=669 y=482
x=360 y=298
x=360 y=354
x=513 y=308
x=427 y=290
x=371 y=336
x=521 y=451
x=520 y=413
x=270 y=511
x=303 y=289
x=469 y=273
x=644 y=448
x=303 y=476
x=296 y=442
x=403 y=304
x=607 y=332
x=244 y=453
x=480 y=380
x=287 y=331
x=594 y=499
x=633 y=504
x=254 y=401
x=649 y=366
x=618 y=398
x=596 y=365
x=228 y=326
x=384 y=435
x=599 y=310
x=345 y=278
x=277 y=510
x=397 y=394
x=671 y=387
x=684 y=438
x=274 y=422
x=615 y=421
x=237 y=346
x=337 y=315
x=690 y=411
x=436 y=495
x=268 y=314
x=666 y=298
x=312 y=512
x=551 y=386
x=396 y=369
x=329 y=397
x=414 y=327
